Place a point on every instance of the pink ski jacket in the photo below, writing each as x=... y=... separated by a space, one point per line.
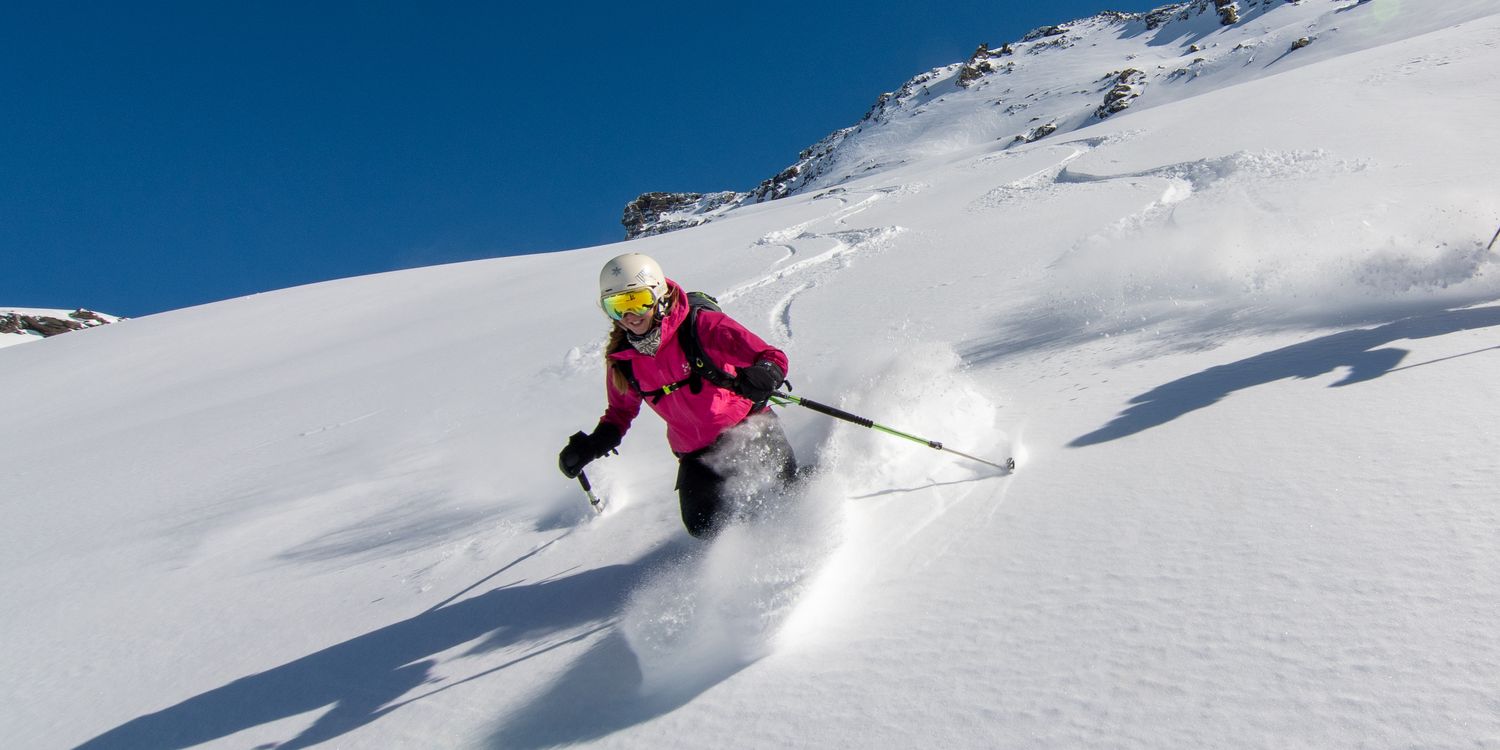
x=694 y=420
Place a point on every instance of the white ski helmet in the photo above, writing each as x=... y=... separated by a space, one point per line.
x=630 y=272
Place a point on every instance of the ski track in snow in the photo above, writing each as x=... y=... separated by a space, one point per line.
x=798 y=231
x=791 y=252
x=1204 y=174
x=1184 y=181
x=1186 y=178
x=1032 y=186
x=781 y=314
x=811 y=271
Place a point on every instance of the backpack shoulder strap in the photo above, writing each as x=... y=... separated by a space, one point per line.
x=703 y=366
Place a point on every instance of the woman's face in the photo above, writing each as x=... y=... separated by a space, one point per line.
x=636 y=324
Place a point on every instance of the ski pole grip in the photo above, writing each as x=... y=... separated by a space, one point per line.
x=835 y=413
x=583 y=479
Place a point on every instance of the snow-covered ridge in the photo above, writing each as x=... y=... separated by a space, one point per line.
x=20 y=325
x=1053 y=81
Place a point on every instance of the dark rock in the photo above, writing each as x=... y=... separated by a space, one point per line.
x=1229 y=12
x=1125 y=90
x=1038 y=133
x=657 y=213
x=974 y=71
x=1042 y=32
x=979 y=65
x=47 y=325
x=1166 y=14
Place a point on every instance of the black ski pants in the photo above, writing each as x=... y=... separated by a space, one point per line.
x=720 y=483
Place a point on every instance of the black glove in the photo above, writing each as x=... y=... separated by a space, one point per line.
x=583 y=448
x=758 y=381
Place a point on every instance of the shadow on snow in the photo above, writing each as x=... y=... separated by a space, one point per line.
x=598 y=696
x=362 y=679
x=1362 y=351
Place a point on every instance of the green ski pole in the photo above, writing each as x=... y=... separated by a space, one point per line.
x=782 y=399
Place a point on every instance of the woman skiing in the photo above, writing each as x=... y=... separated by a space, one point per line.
x=709 y=383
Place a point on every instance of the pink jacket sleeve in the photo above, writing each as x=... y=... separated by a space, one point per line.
x=623 y=406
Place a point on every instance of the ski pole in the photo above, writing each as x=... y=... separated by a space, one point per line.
x=782 y=399
x=1492 y=241
x=588 y=489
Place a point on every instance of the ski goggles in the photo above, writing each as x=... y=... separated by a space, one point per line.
x=633 y=301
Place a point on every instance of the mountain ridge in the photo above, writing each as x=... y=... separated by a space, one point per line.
x=1055 y=94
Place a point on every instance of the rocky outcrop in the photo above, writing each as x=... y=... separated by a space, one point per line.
x=1161 y=16
x=1127 y=86
x=1044 y=32
x=1229 y=12
x=979 y=64
x=36 y=324
x=810 y=164
x=1036 y=133
x=657 y=213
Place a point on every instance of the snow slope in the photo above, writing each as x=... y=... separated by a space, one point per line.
x=1241 y=344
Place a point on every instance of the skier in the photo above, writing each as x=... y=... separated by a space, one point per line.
x=714 y=403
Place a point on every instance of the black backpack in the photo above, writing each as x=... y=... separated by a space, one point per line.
x=702 y=368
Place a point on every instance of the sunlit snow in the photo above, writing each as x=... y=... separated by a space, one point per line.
x=1241 y=338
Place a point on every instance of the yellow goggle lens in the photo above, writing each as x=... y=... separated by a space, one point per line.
x=637 y=301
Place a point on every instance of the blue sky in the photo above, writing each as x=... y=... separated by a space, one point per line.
x=159 y=155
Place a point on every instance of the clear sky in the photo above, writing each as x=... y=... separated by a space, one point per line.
x=157 y=155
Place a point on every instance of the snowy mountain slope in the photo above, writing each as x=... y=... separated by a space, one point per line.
x=1241 y=343
x=1057 y=80
x=1061 y=80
